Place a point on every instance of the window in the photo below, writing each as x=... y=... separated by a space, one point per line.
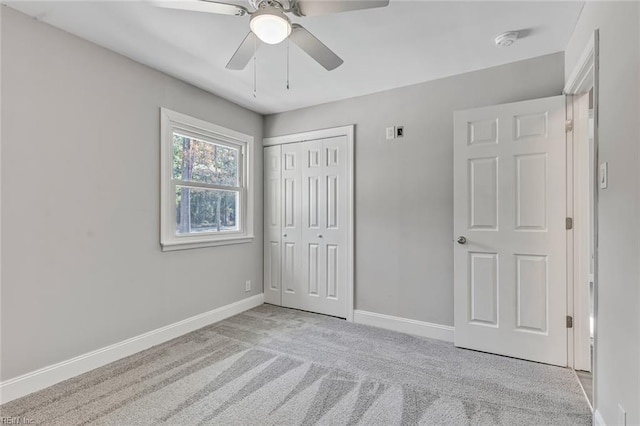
x=205 y=196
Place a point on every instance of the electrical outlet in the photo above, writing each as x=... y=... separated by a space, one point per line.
x=399 y=131
x=247 y=285
x=391 y=132
x=622 y=416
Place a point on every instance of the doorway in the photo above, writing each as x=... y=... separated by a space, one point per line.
x=582 y=115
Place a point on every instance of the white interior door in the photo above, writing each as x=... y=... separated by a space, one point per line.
x=510 y=288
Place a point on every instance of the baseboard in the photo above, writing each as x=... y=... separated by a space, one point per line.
x=48 y=376
x=597 y=419
x=404 y=325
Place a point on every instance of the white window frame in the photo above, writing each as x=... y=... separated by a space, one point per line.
x=170 y=122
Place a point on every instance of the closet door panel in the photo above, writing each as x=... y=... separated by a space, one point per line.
x=313 y=222
x=272 y=225
x=292 y=247
x=335 y=234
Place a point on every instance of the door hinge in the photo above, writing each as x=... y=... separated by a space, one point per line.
x=568 y=126
x=569 y=321
x=569 y=223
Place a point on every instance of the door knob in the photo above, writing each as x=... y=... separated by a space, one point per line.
x=319 y=235
x=461 y=240
x=284 y=235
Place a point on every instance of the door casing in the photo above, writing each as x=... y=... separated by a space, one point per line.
x=583 y=78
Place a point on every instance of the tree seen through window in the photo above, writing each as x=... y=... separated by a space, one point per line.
x=207 y=209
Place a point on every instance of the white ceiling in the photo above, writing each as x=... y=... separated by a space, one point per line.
x=405 y=43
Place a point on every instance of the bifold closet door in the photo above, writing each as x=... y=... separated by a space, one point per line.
x=315 y=225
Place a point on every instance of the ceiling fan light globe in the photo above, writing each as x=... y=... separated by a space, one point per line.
x=271 y=28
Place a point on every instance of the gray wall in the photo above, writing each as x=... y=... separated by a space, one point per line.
x=404 y=187
x=618 y=321
x=81 y=260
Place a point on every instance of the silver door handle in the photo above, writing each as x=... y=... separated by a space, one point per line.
x=319 y=235
x=461 y=240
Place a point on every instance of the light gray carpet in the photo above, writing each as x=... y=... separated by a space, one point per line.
x=275 y=366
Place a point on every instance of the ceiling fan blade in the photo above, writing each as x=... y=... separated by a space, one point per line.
x=314 y=47
x=202 y=6
x=323 y=7
x=244 y=53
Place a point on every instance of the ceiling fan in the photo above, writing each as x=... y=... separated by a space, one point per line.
x=270 y=24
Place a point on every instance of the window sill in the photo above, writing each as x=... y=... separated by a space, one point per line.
x=186 y=245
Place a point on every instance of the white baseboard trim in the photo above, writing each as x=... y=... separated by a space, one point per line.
x=404 y=325
x=597 y=419
x=48 y=376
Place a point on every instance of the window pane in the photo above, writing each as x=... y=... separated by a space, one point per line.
x=206 y=210
x=201 y=161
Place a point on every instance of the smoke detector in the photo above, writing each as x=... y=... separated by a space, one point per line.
x=506 y=39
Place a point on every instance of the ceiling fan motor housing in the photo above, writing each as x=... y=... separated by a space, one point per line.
x=282 y=4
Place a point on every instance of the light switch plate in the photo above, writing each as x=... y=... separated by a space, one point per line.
x=391 y=132
x=603 y=178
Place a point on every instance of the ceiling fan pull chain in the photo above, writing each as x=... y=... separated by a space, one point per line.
x=255 y=72
x=287 y=63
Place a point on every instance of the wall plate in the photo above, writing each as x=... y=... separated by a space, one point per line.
x=603 y=178
x=391 y=132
